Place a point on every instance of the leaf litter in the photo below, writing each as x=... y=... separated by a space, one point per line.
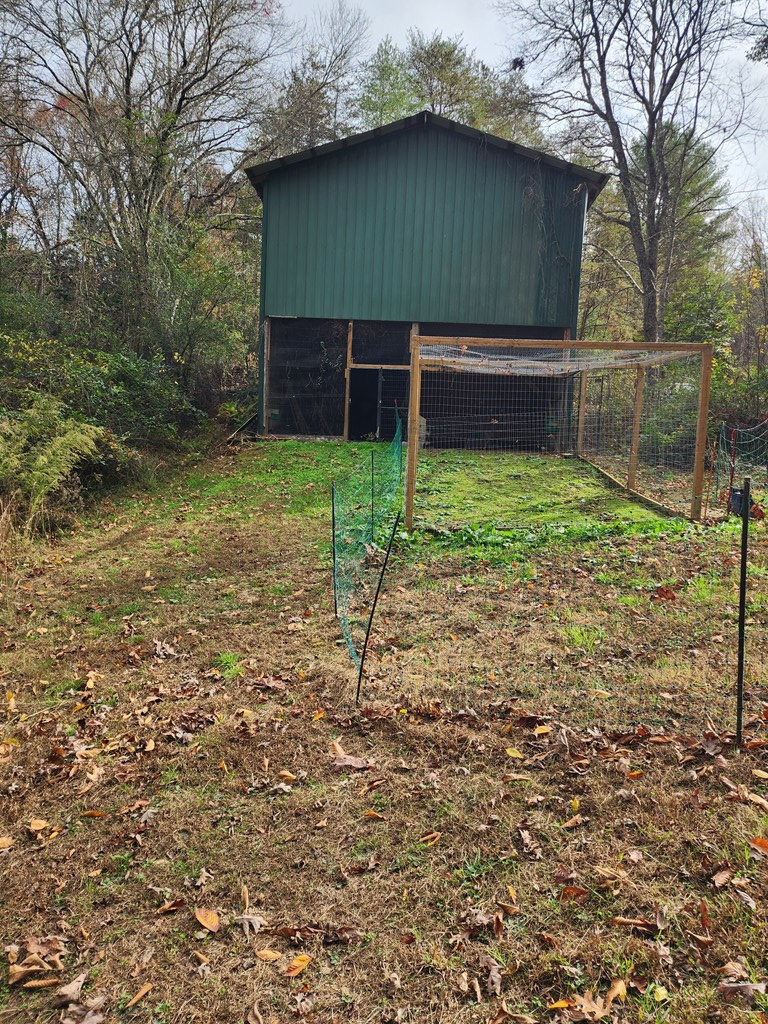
x=454 y=828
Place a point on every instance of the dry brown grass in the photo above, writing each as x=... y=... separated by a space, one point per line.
x=167 y=668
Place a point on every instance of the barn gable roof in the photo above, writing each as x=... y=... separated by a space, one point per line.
x=259 y=173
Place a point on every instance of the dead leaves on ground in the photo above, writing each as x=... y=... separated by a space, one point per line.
x=341 y=759
x=41 y=969
x=209 y=919
x=43 y=956
x=297 y=965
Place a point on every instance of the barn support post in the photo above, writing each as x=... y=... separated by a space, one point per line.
x=347 y=373
x=414 y=405
x=701 y=432
x=636 y=417
x=582 y=413
x=264 y=369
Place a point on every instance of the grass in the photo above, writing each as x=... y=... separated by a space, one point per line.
x=535 y=715
x=519 y=490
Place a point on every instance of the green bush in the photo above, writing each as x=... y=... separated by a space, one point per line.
x=133 y=397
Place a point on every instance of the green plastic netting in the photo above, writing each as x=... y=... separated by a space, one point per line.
x=363 y=513
x=741 y=453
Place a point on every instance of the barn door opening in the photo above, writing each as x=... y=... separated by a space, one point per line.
x=364 y=405
x=375 y=396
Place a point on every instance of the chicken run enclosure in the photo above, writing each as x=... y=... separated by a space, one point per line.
x=636 y=414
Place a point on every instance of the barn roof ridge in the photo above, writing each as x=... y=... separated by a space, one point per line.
x=259 y=172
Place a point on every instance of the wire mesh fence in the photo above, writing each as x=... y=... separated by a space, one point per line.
x=640 y=425
x=736 y=454
x=634 y=415
x=363 y=516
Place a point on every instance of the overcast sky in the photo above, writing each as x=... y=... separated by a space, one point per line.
x=484 y=31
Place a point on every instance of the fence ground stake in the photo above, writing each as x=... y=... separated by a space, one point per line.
x=373 y=609
x=746 y=507
x=333 y=546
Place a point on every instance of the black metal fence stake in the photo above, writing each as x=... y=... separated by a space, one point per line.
x=746 y=507
x=333 y=546
x=373 y=498
x=373 y=608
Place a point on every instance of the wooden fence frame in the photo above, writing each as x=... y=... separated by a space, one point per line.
x=651 y=354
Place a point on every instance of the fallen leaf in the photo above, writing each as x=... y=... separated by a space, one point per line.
x=6 y=842
x=144 y=990
x=743 y=992
x=758 y=845
x=251 y=922
x=542 y=730
x=561 y=1004
x=733 y=971
x=38 y=824
x=430 y=838
x=514 y=752
x=746 y=898
x=755 y=798
x=208 y=919
x=168 y=908
x=348 y=761
x=618 y=990
x=573 y=893
x=85 y=1012
x=721 y=878
x=70 y=993
x=254 y=1016
x=268 y=955
x=32 y=964
x=573 y=822
x=297 y=965
x=375 y=815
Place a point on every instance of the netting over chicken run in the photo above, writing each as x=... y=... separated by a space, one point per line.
x=636 y=413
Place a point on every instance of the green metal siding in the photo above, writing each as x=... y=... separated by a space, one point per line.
x=424 y=225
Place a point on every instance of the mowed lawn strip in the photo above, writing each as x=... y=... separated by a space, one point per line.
x=197 y=815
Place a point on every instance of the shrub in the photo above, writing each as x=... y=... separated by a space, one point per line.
x=40 y=447
x=130 y=396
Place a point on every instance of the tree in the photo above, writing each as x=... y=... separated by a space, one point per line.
x=309 y=104
x=646 y=71
x=385 y=90
x=140 y=108
x=439 y=73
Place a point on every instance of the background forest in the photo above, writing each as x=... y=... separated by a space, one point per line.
x=129 y=237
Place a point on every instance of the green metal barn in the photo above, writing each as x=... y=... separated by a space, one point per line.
x=423 y=225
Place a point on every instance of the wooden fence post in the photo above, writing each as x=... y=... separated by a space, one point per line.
x=636 y=417
x=701 y=432
x=414 y=407
x=582 y=413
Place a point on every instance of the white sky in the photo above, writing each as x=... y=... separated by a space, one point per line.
x=746 y=166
